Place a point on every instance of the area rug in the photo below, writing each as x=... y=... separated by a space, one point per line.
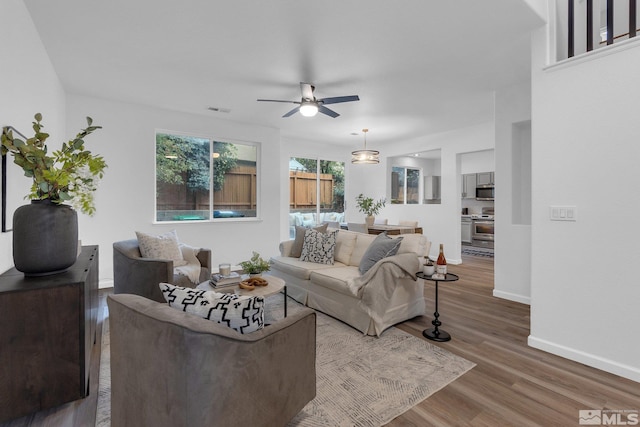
x=477 y=252
x=361 y=380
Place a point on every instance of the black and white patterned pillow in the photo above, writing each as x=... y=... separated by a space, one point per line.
x=318 y=247
x=243 y=313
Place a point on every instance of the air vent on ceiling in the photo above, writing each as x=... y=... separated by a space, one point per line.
x=219 y=110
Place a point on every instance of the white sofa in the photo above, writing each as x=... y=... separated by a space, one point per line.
x=385 y=295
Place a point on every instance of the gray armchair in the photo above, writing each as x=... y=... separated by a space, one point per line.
x=170 y=368
x=133 y=274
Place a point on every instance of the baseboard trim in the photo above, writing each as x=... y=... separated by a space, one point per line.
x=512 y=297
x=626 y=371
x=105 y=283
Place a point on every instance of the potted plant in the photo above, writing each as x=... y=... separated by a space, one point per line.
x=45 y=233
x=369 y=207
x=256 y=265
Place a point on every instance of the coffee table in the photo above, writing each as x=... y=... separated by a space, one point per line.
x=275 y=285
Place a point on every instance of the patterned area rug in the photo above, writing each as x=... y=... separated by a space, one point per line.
x=361 y=380
x=477 y=252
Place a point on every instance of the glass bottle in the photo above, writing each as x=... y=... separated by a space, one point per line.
x=441 y=263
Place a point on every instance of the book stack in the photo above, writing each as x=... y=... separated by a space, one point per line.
x=218 y=281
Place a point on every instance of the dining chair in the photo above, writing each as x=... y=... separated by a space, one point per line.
x=360 y=228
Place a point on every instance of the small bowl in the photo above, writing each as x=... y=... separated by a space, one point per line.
x=428 y=269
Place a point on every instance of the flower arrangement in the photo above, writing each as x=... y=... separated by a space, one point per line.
x=69 y=175
x=368 y=206
x=255 y=265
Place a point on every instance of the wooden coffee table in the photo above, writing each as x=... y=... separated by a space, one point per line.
x=275 y=286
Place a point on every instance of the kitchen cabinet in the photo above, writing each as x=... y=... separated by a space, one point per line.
x=466 y=229
x=431 y=188
x=485 y=178
x=469 y=186
x=47 y=332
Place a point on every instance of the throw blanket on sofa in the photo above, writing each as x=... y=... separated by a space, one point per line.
x=376 y=286
x=192 y=268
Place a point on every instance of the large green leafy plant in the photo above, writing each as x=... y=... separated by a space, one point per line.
x=368 y=206
x=70 y=174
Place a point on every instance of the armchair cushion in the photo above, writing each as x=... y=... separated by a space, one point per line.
x=244 y=313
x=164 y=246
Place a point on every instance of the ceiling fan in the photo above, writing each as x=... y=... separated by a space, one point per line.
x=309 y=105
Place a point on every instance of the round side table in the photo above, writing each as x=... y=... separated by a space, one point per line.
x=435 y=333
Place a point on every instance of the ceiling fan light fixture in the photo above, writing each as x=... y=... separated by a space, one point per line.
x=365 y=157
x=308 y=109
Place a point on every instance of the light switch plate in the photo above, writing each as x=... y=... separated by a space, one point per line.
x=563 y=213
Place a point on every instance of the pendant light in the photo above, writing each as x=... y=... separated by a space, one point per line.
x=365 y=156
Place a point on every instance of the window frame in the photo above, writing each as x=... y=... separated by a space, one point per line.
x=212 y=138
x=405 y=186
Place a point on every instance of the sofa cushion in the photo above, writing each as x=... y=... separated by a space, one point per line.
x=164 y=246
x=296 y=249
x=336 y=279
x=416 y=243
x=345 y=242
x=243 y=313
x=383 y=246
x=319 y=247
x=362 y=243
x=299 y=269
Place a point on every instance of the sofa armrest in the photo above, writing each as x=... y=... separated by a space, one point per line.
x=285 y=247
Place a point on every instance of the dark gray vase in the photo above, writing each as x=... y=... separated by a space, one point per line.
x=45 y=238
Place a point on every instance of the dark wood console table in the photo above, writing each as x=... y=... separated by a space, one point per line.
x=47 y=331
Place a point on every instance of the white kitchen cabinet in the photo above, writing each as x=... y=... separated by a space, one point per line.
x=485 y=178
x=466 y=230
x=469 y=186
x=432 y=189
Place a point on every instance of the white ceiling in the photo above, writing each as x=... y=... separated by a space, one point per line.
x=419 y=66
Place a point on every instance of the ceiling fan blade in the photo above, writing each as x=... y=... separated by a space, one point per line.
x=292 y=112
x=328 y=112
x=338 y=99
x=307 y=91
x=279 y=100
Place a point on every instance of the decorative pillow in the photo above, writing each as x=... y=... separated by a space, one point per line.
x=243 y=313
x=382 y=246
x=164 y=246
x=319 y=247
x=296 y=248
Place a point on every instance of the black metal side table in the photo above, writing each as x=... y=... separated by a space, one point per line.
x=436 y=334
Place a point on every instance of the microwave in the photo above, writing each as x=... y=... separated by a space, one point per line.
x=485 y=192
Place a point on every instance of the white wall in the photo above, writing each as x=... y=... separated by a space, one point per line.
x=479 y=161
x=512 y=261
x=585 y=149
x=125 y=200
x=28 y=85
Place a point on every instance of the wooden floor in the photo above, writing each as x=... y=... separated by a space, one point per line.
x=512 y=384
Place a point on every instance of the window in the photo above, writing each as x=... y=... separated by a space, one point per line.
x=405 y=185
x=315 y=197
x=188 y=167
